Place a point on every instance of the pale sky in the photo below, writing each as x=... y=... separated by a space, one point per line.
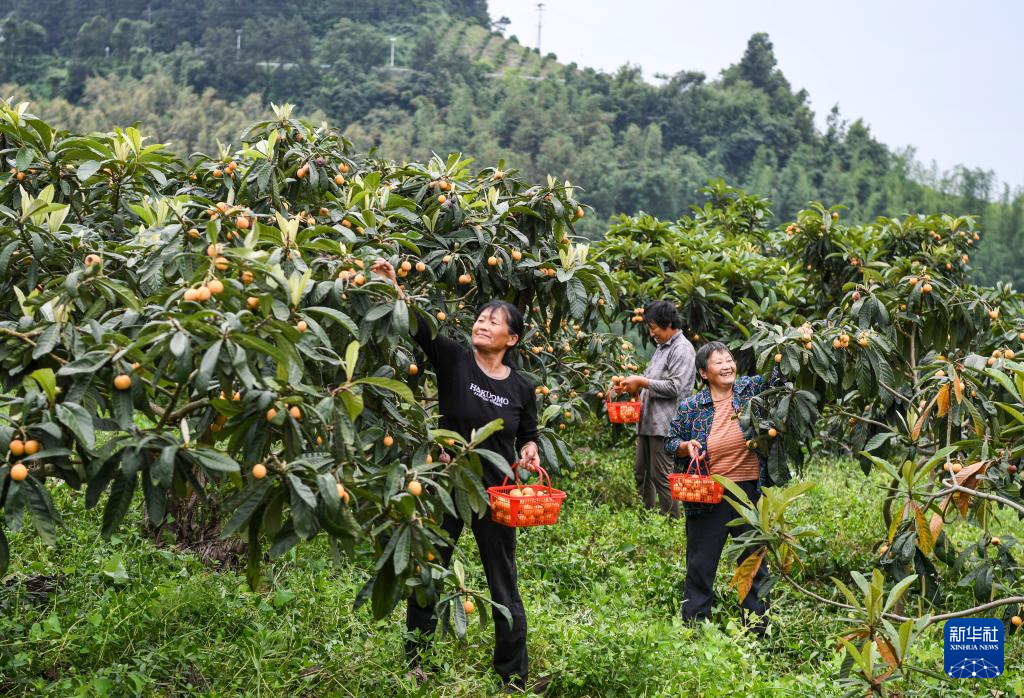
x=944 y=76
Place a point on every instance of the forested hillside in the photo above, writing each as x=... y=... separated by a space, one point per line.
x=197 y=72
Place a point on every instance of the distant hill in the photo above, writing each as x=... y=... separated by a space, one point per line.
x=195 y=72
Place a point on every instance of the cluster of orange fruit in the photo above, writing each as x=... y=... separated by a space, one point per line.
x=19 y=448
x=923 y=280
x=690 y=488
x=1007 y=354
x=528 y=506
x=228 y=170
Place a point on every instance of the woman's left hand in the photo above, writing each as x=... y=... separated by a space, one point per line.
x=529 y=457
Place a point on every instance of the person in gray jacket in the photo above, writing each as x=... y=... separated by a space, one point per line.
x=666 y=382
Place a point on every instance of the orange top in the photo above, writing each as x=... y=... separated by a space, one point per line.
x=727 y=448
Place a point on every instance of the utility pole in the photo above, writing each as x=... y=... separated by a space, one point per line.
x=392 y=52
x=238 y=42
x=540 y=17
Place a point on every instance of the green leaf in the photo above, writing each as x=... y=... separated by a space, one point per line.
x=458 y=617
x=252 y=499
x=878 y=440
x=47 y=382
x=162 y=470
x=385 y=592
x=1004 y=381
x=86 y=170
x=212 y=459
x=351 y=358
x=44 y=515
x=208 y=364
x=353 y=404
x=735 y=490
x=46 y=341
x=303 y=490
x=114 y=570
x=897 y=591
x=400 y=557
x=400 y=318
x=337 y=316
x=498 y=460
x=400 y=389
x=121 y=494
x=486 y=431
x=180 y=343
x=254 y=554
x=265 y=348
x=87 y=363
x=79 y=421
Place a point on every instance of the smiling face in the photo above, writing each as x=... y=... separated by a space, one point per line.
x=660 y=334
x=721 y=371
x=491 y=332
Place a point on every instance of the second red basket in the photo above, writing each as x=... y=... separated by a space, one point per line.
x=526 y=505
x=695 y=485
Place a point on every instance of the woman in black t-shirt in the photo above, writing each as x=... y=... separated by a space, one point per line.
x=476 y=385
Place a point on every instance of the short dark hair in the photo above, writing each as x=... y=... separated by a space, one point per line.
x=513 y=318
x=705 y=352
x=663 y=314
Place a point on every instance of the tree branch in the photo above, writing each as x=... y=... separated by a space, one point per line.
x=1008 y=601
x=188 y=408
x=168 y=414
x=954 y=486
x=865 y=419
x=831 y=602
x=894 y=393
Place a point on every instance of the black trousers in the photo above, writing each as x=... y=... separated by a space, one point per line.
x=497 y=545
x=706 y=534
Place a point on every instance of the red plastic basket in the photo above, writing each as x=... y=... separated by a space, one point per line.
x=627 y=412
x=540 y=508
x=695 y=486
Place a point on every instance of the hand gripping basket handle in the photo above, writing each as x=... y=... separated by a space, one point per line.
x=608 y=394
x=540 y=480
x=694 y=468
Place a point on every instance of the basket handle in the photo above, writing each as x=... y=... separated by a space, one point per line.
x=540 y=479
x=608 y=395
x=695 y=465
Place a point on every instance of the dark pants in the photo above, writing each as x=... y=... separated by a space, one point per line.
x=706 y=534
x=651 y=469
x=497 y=545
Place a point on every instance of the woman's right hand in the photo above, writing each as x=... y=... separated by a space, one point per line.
x=689 y=448
x=384 y=268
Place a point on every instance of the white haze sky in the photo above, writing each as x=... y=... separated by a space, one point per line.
x=943 y=76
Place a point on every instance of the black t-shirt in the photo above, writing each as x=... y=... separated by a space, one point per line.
x=469 y=399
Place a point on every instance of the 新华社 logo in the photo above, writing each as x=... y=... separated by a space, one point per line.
x=973 y=648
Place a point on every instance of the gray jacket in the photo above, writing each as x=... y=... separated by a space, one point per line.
x=671 y=373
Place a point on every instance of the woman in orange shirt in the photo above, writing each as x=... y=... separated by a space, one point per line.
x=707 y=425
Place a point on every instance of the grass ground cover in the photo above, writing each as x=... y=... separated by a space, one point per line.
x=602 y=591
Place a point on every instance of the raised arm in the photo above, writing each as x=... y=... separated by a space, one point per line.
x=434 y=347
x=758 y=384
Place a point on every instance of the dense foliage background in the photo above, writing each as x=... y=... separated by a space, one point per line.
x=197 y=72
